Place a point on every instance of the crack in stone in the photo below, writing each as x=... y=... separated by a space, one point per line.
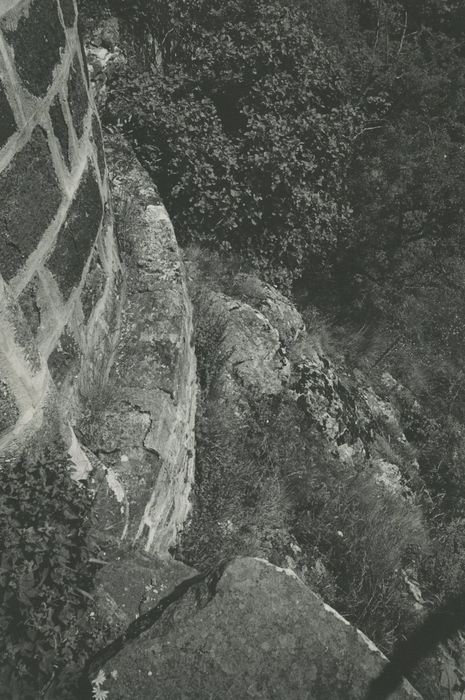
x=152 y=616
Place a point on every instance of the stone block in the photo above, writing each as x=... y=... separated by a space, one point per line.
x=60 y=128
x=8 y=410
x=37 y=42
x=65 y=356
x=249 y=630
x=24 y=338
x=7 y=120
x=29 y=305
x=30 y=196
x=77 y=235
x=78 y=98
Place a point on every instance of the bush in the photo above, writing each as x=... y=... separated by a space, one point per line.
x=248 y=133
x=45 y=573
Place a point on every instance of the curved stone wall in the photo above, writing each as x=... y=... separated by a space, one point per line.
x=59 y=268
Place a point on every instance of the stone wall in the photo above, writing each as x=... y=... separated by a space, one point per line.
x=59 y=267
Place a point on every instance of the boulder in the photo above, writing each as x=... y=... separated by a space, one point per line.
x=280 y=312
x=249 y=350
x=332 y=400
x=251 y=630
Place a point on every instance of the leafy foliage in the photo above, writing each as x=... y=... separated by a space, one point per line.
x=45 y=572
x=307 y=158
x=248 y=131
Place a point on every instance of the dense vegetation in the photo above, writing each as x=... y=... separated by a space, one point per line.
x=248 y=131
x=320 y=140
x=46 y=572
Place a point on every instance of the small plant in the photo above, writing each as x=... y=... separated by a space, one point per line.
x=98 y=693
x=211 y=356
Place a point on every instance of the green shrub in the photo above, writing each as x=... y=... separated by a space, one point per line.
x=45 y=573
x=247 y=133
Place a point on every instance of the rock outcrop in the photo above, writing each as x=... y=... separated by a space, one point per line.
x=264 y=350
x=251 y=630
x=250 y=351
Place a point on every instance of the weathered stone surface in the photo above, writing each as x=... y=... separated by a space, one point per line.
x=280 y=312
x=60 y=128
x=83 y=54
x=389 y=477
x=250 y=349
x=69 y=12
x=9 y=412
x=331 y=400
x=33 y=199
x=7 y=120
x=78 y=99
x=37 y=42
x=30 y=196
x=77 y=235
x=116 y=434
x=29 y=306
x=65 y=356
x=258 y=633
x=23 y=336
x=136 y=582
x=146 y=432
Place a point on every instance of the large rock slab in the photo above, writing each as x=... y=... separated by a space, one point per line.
x=251 y=631
x=142 y=427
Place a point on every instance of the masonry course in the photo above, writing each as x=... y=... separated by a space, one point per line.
x=77 y=234
x=37 y=43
